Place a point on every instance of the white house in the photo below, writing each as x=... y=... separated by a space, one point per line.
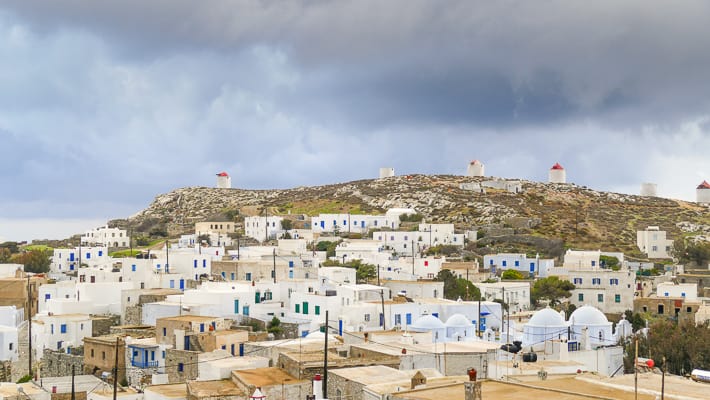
x=581 y=259
x=9 y=270
x=515 y=294
x=353 y=223
x=106 y=237
x=59 y=331
x=386 y=172
x=519 y=262
x=67 y=260
x=653 y=242
x=687 y=291
x=8 y=343
x=427 y=236
x=261 y=228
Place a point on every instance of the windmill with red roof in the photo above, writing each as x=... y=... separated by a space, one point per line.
x=224 y=181
x=557 y=174
x=702 y=193
x=475 y=168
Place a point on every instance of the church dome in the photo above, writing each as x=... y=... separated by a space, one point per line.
x=546 y=317
x=458 y=321
x=428 y=322
x=588 y=315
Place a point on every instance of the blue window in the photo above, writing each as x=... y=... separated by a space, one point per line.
x=152 y=355
x=375 y=222
x=63 y=328
x=204 y=263
x=88 y=256
x=594 y=263
x=682 y=294
x=101 y=253
x=245 y=310
x=165 y=332
x=409 y=318
x=248 y=276
x=172 y=283
x=505 y=263
x=195 y=263
x=532 y=267
x=163 y=354
x=224 y=347
x=202 y=327
x=490 y=262
x=181 y=367
x=236 y=306
x=290 y=264
x=517 y=263
x=133 y=267
x=345 y=222
x=232 y=348
x=335 y=222
x=47 y=296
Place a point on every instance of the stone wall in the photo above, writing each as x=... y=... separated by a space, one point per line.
x=101 y=324
x=6 y=371
x=57 y=363
x=137 y=331
x=188 y=359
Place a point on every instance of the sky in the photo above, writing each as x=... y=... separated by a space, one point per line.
x=104 y=105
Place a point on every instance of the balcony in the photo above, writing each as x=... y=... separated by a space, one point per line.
x=144 y=364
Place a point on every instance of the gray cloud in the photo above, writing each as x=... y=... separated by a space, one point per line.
x=108 y=103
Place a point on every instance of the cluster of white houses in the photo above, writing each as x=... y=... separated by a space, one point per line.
x=179 y=312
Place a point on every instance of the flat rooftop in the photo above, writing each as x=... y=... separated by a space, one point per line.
x=262 y=377
x=221 y=388
x=188 y=318
x=177 y=390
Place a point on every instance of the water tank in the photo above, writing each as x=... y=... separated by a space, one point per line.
x=530 y=357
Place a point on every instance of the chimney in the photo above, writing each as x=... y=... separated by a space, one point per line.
x=317 y=387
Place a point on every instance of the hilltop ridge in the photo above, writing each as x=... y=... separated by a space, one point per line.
x=582 y=217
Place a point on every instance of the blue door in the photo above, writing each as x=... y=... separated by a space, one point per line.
x=236 y=306
x=532 y=267
x=245 y=310
x=187 y=343
x=71 y=256
x=322 y=224
x=409 y=318
x=182 y=284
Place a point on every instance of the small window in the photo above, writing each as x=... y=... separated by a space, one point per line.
x=103 y=355
x=617 y=298
x=92 y=353
x=63 y=328
x=11 y=346
x=580 y=297
x=181 y=367
x=688 y=310
x=367 y=317
x=165 y=331
x=600 y=298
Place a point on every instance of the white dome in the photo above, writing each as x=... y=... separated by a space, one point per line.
x=588 y=315
x=458 y=321
x=428 y=322
x=546 y=317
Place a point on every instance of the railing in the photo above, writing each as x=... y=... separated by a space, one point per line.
x=144 y=364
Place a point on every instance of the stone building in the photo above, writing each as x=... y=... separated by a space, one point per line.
x=274 y=383
x=15 y=292
x=675 y=308
x=100 y=355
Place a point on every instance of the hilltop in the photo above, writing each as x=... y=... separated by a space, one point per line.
x=582 y=217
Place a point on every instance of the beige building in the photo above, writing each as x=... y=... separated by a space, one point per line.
x=214 y=227
x=653 y=242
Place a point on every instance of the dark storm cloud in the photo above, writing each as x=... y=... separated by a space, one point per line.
x=105 y=104
x=470 y=61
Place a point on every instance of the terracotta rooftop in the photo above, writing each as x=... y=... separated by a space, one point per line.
x=704 y=185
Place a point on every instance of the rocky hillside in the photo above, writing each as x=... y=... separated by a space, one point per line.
x=582 y=217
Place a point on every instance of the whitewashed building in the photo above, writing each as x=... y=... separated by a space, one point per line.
x=557 y=174
x=519 y=262
x=59 y=331
x=68 y=260
x=224 y=181
x=261 y=228
x=702 y=193
x=515 y=294
x=654 y=243
x=610 y=291
x=106 y=237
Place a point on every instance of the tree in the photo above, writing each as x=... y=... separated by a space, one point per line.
x=365 y=272
x=35 y=261
x=328 y=247
x=274 y=326
x=204 y=238
x=610 y=262
x=511 y=274
x=696 y=253
x=551 y=288
x=287 y=224
x=5 y=255
x=457 y=287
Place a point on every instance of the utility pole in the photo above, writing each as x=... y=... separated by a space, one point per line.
x=167 y=256
x=378 y=274
x=636 y=369
x=325 y=359
x=274 y=265
x=29 y=326
x=238 y=248
x=73 y=393
x=115 y=372
x=663 y=377
x=382 y=299
x=266 y=228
